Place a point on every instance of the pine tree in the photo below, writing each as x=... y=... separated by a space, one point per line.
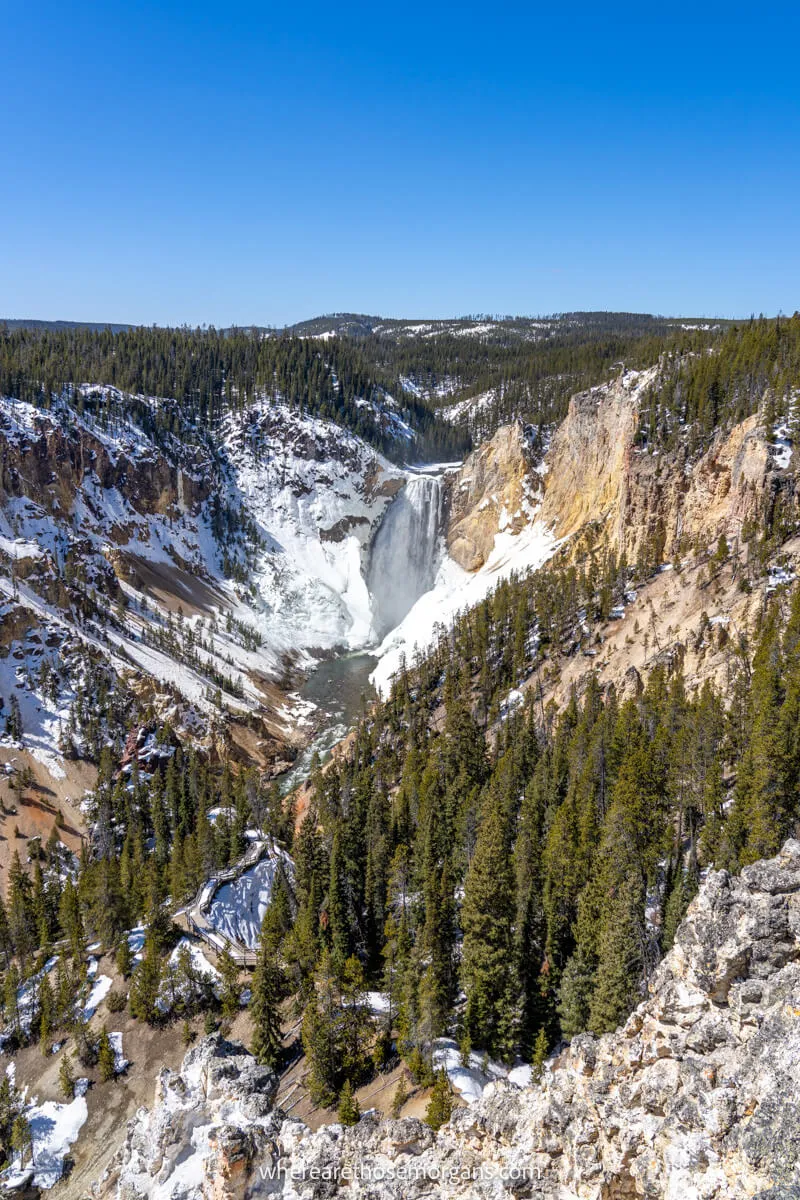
x=539 y=1055
x=46 y=1013
x=145 y=985
x=339 y=923
x=487 y=917
x=124 y=958
x=348 y=1112
x=320 y=1043
x=575 y=995
x=620 y=964
x=440 y=1105
x=106 y=1059
x=21 y=1139
x=278 y=917
x=71 y=922
x=683 y=889
x=231 y=987
x=6 y=945
x=11 y=1001
x=266 y=1044
x=400 y=1096
x=21 y=915
x=14 y=719
x=66 y=1078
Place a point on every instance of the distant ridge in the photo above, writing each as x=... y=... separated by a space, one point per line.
x=343 y=324
x=95 y=326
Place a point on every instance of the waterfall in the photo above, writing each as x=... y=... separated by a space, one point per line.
x=406 y=552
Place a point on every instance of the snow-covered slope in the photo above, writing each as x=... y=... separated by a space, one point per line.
x=316 y=493
x=219 y=563
x=455 y=590
x=209 y=563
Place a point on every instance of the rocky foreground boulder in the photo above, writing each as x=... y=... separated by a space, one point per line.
x=697 y=1096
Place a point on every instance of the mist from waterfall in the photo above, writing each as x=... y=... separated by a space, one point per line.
x=406 y=551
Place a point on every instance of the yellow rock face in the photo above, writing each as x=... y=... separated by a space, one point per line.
x=596 y=473
x=494 y=490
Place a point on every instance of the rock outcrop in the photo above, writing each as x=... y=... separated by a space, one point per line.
x=590 y=454
x=208 y=1126
x=595 y=473
x=50 y=460
x=494 y=490
x=697 y=1097
x=655 y=503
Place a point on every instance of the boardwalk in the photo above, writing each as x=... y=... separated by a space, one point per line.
x=197 y=911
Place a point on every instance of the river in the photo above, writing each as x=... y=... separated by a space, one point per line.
x=340 y=688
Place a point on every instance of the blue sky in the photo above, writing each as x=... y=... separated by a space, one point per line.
x=261 y=163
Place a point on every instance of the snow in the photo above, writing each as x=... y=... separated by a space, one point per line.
x=475 y=330
x=510 y=702
x=54 y=1128
x=28 y=996
x=469 y=407
x=136 y=942
x=455 y=590
x=781 y=447
x=175 y=987
x=199 y=960
x=100 y=989
x=42 y=718
x=378 y=1002
x=19 y=548
x=238 y=907
x=304 y=481
x=121 y=1063
x=470 y=1082
x=314 y=491
x=778 y=577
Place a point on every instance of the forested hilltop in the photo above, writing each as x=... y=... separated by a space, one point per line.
x=386 y=381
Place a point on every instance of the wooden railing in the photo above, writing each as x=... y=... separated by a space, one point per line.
x=197 y=910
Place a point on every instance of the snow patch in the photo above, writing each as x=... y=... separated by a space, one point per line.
x=238 y=907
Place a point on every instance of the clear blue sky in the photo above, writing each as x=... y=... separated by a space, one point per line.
x=238 y=163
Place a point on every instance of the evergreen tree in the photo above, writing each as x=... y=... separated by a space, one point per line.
x=348 y=1112
x=145 y=985
x=106 y=1059
x=440 y=1105
x=46 y=1013
x=539 y=1055
x=231 y=987
x=21 y=1138
x=620 y=960
x=124 y=958
x=267 y=1038
x=66 y=1078
x=488 y=952
x=400 y=1096
x=575 y=995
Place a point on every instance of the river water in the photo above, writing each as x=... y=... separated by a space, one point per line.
x=341 y=690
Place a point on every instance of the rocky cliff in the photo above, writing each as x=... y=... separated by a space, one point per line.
x=695 y=1097
x=660 y=502
x=495 y=489
x=595 y=472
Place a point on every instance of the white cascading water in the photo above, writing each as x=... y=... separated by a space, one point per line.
x=406 y=552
